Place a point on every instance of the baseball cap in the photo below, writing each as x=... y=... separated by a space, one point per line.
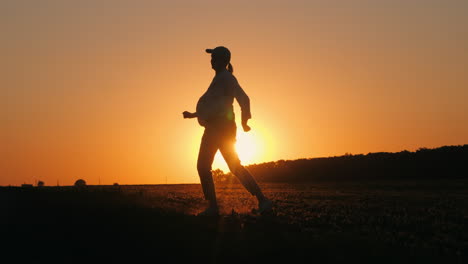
x=221 y=52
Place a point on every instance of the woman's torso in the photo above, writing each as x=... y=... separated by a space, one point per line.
x=215 y=105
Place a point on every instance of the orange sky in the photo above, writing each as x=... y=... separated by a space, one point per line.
x=95 y=89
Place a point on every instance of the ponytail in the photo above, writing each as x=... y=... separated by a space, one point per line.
x=230 y=68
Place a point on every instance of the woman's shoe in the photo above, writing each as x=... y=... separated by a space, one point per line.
x=265 y=206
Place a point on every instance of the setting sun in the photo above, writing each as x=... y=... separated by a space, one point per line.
x=252 y=147
x=248 y=147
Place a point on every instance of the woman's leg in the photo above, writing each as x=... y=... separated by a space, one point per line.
x=229 y=153
x=208 y=148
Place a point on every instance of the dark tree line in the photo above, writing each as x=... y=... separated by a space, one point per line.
x=443 y=162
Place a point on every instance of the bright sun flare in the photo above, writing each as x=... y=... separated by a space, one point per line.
x=249 y=147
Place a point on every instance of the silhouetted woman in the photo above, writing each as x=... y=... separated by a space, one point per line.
x=215 y=112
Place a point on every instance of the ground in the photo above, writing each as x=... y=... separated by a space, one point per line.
x=378 y=221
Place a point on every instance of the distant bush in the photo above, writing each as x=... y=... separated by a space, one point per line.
x=40 y=184
x=219 y=176
x=80 y=183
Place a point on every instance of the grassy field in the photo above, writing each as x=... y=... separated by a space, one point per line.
x=380 y=221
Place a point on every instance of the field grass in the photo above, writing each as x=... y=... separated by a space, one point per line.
x=378 y=221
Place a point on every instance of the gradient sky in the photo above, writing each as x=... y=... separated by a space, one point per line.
x=95 y=89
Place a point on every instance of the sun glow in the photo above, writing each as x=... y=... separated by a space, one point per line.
x=251 y=148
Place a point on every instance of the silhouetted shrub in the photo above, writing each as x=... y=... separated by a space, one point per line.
x=80 y=183
x=40 y=184
x=218 y=176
